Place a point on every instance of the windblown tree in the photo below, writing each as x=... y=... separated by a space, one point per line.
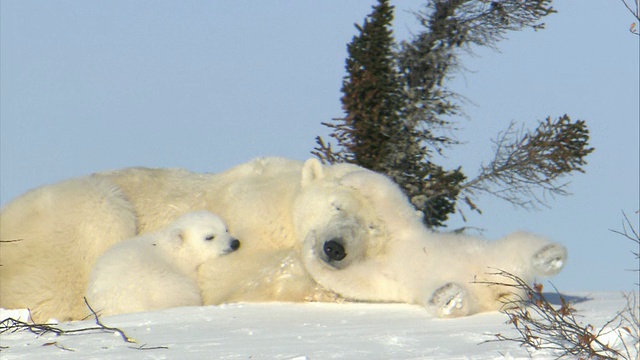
x=375 y=133
x=399 y=112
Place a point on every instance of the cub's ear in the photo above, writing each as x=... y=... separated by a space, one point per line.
x=311 y=171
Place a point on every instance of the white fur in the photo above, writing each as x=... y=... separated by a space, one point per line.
x=287 y=214
x=158 y=270
x=57 y=233
x=446 y=273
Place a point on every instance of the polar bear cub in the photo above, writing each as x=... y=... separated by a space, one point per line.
x=158 y=270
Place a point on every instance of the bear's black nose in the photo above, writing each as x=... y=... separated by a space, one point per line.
x=334 y=250
x=235 y=244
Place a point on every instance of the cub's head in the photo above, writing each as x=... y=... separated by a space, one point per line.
x=347 y=219
x=203 y=235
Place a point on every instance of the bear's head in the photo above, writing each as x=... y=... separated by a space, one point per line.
x=349 y=220
x=200 y=236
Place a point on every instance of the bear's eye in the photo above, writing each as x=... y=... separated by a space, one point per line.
x=210 y=237
x=336 y=206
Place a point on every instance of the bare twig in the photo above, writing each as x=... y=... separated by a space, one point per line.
x=11 y=325
x=634 y=10
x=144 y=347
x=10 y=241
x=107 y=328
x=56 y=344
x=541 y=325
x=630 y=233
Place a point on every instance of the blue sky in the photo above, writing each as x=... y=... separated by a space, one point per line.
x=205 y=85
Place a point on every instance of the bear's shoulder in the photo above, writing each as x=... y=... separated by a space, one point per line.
x=265 y=166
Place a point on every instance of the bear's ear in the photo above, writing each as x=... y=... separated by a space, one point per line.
x=311 y=171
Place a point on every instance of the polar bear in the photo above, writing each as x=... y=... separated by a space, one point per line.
x=446 y=273
x=158 y=270
x=309 y=232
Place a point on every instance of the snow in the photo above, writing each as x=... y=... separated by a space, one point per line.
x=300 y=331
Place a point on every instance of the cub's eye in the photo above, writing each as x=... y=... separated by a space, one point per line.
x=210 y=237
x=336 y=206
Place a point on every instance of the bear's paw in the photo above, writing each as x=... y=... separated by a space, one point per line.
x=449 y=300
x=549 y=260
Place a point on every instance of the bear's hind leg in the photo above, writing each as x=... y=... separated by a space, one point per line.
x=450 y=300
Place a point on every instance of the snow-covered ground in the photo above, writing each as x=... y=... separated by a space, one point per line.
x=295 y=331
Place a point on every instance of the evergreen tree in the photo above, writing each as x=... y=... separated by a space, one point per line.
x=398 y=110
x=371 y=94
x=374 y=135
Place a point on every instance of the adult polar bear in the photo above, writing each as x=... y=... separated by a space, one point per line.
x=309 y=231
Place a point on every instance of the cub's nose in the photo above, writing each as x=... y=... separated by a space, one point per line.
x=235 y=244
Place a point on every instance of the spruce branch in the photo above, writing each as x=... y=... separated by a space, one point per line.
x=528 y=166
x=430 y=58
x=399 y=111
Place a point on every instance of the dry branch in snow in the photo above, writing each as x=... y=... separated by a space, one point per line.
x=11 y=325
x=542 y=325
